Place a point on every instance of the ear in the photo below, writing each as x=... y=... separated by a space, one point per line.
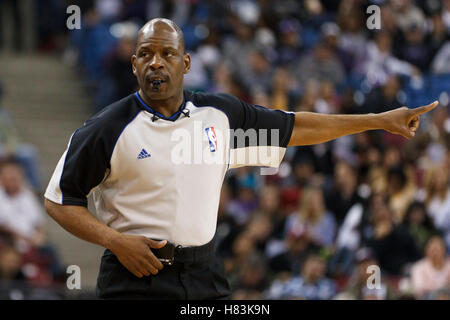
x=133 y=64
x=187 y=63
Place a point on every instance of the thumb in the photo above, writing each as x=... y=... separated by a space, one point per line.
x=155 y=244
x=408 y=134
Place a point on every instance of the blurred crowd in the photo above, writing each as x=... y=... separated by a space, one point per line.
x=27 y=259
x=365 y=216
x=29 y=265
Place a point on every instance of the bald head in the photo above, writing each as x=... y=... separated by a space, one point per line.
x=160 y=64
x=163 y=28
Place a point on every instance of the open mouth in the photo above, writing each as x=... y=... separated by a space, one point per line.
x=156 y=82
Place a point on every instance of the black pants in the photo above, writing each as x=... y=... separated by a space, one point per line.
x=197 y=273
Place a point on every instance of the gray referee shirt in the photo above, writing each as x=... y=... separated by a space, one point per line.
x=161 y=177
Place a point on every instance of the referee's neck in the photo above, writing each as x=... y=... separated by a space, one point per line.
x=166 y=107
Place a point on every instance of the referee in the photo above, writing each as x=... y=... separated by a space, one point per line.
x=156 y=201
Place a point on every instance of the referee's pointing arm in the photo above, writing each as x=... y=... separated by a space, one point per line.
x=313 y=128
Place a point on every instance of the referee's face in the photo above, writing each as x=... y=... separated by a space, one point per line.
x=160 y=61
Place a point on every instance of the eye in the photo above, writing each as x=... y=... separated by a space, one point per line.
x=144 y=54
x=168 y=53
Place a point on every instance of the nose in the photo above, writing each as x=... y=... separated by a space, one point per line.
x=156 y=62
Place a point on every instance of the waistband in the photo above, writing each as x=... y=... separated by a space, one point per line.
x=181 y=254
x=195 y=254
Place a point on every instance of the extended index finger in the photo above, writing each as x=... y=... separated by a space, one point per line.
x=425 y=109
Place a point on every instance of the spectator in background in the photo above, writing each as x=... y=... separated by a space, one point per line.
x=408 y=14
x=436 y=39
x=377 y=177
x=379 y=63
x=109 y=10
x=313 y=216
x=258 y=73
x=392 y=244
x=175 y=10
x=432 y=272
x=205 y=61
x=309 y=97
x=389 y=19
x=441 y=61
x=92 y=43
x=259 y=229
x=119 y=69
x=22 y=216
x=252 y=281
x=352 y=38
x=298 y=248
x=290 y=43
x=241 y=207
x=419 y=224
x=312 y=284
x=119 y=80
x=222 y=79
x=348 y=241
x=320 y=64
x=237 y=49
x=281 y=97
x=414 y=49
x=49 y=21
x=198 y=79
x=243 y=251
x=328 y=101
x=20 y=212
x=438 y=199
x=330 y=33
x=401 y=190
x=270 y=206
x=384 y=97
x=10 y=264
x=343 y=194
x=357 y=287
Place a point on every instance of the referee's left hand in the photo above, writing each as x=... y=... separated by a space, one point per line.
x=405 y=121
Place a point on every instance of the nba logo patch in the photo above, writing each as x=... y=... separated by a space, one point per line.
x=211 y=134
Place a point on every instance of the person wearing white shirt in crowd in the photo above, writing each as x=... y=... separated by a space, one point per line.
x=20 y=212
x=379 y=63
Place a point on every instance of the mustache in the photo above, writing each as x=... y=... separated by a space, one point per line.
x=151 y=75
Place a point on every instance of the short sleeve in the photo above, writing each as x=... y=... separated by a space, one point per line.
x=259 y=136
x=81 y=168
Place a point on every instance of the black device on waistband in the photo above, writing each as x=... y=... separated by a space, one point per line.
x=165 y=254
